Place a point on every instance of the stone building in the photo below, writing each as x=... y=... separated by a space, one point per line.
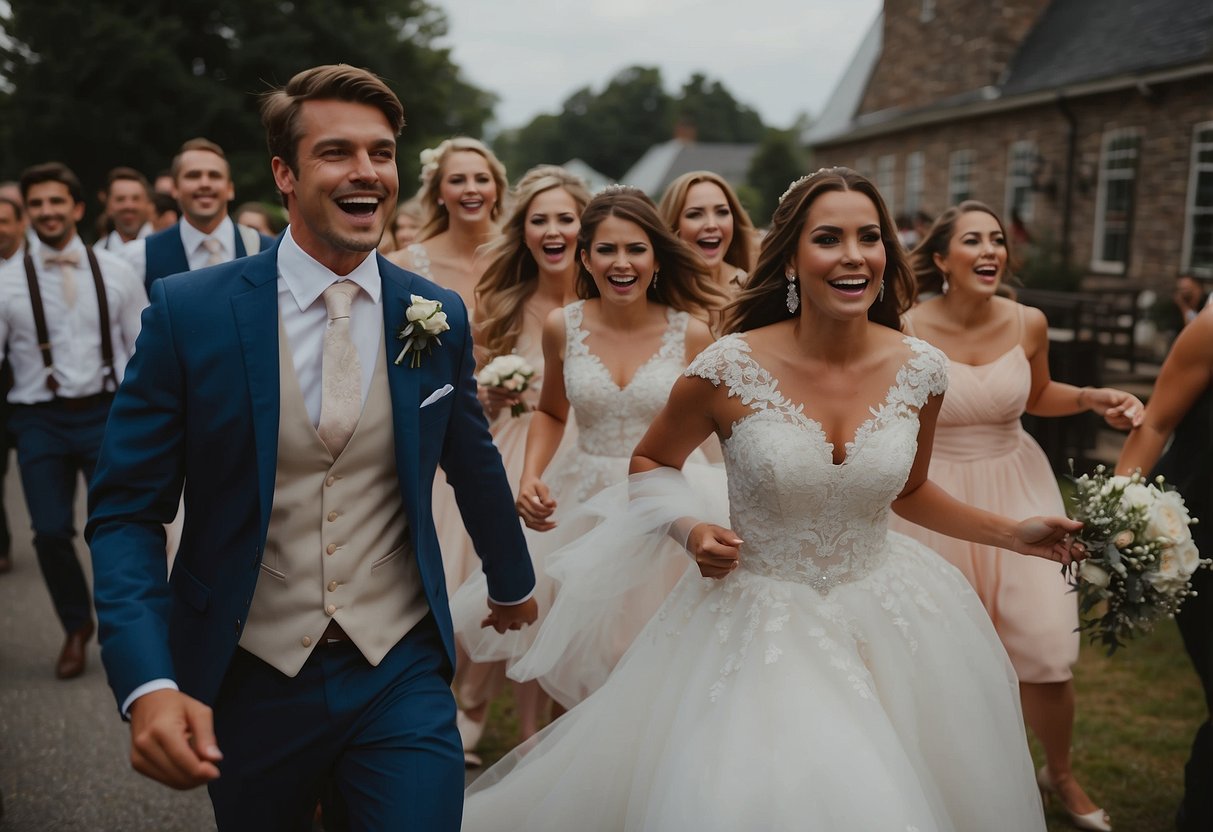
x=1091 y=121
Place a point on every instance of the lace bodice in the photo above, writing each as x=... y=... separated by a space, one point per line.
x=802 y=517
x=611 y=420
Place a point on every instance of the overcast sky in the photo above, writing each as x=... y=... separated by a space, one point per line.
x=781 y=57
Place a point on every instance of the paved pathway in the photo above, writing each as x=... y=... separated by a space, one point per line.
x=64 y=752
x=64 y=762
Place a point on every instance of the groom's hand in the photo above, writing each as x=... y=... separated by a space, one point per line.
x=173 y=739
x=504 y=617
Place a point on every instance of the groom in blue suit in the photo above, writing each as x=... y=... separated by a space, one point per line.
x=304 y=635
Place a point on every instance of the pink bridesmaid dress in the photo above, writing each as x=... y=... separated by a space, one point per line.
x=984 y=457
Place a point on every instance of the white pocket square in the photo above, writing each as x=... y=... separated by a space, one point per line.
x=436 y=395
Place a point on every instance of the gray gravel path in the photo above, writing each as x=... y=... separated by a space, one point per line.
x=63 y=748
x=64 y=764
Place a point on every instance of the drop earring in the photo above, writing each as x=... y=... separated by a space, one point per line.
x=656 y=274
x=880 y=294
x=943 y=287
x=793 y=294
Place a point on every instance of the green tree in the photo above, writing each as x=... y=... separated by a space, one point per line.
x=715 y=114
x=779 y=160
x=97 y=84
x=612 y=129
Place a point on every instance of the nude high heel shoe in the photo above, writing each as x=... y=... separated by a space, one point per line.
x=1096 y=821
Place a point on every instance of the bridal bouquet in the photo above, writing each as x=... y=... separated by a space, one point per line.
x=508 y=372
x=1140 y=555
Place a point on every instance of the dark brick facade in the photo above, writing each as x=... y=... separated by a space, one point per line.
x=964 y=46
x=1164 y=116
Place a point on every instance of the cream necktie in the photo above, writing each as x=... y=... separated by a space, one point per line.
x=340 y=371
x=66 y=262
x=214 y=251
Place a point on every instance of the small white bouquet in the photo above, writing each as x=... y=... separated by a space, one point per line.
x=511 y=373
x=1140 y=555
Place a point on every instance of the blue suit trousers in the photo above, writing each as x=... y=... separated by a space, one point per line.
x=383 y=737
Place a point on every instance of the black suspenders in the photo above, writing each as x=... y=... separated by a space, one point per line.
x=103 y=320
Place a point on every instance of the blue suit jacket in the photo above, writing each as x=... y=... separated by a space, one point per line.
x=164 y=253
x=200 y=404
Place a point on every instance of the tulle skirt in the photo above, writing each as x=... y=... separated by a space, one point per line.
x=759 y=704
x=594 y=598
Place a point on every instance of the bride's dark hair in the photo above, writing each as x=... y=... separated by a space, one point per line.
x=763 y=301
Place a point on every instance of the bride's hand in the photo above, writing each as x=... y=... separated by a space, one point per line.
x=1050 y=538
x=714 y=549
x=535 y=505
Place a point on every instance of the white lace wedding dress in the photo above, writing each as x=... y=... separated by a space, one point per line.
x=842 y=678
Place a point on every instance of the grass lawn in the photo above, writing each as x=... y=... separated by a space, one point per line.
x=1137 y=714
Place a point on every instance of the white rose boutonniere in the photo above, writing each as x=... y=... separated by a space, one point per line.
x=424 y=321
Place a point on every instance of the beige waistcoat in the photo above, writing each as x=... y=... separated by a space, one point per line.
x=338 y=544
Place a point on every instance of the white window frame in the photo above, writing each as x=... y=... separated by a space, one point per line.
x=960 y=176
x=1021 y=163
x=915 y=167
x=1195 y=168
x=886 y=167
x=1098 y=264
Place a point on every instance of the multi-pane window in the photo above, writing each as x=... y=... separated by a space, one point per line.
x=863 y=166
x=884 y=180
x=915 y=163
x=1114 y=200
x=1198 y=232
x=1020 y=167
x=960 y=176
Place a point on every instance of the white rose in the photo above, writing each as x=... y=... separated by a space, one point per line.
x=1168 y=564
x=421 y=308
x=487 y=378
x=1113 y=483
x=509 y=364
x=1123 y=539
x=428 y=156
x=1188 y=558
x=1093 y=574
x=435 y=324
x=1136 y=494
x=1168 y=519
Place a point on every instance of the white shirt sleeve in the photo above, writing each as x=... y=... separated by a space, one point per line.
x=145 y=688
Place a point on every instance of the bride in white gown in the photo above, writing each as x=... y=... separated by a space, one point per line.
x=827 y=674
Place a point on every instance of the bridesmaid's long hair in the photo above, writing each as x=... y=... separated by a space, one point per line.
x=684 y=283
x=512 y=274
x=437 y=218
x=763 y=301
x=740 y=253
x=939 y=238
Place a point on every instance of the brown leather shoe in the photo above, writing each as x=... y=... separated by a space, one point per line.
x=71 y=657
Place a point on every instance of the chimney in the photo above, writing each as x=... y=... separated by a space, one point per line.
x=684 y=131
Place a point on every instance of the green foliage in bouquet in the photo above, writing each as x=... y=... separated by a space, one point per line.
x=1141 y=555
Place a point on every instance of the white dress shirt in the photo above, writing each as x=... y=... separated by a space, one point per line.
x=113 y=242
x=135 y=252
x=301 y=284
x=16 y=258
x=74 y=331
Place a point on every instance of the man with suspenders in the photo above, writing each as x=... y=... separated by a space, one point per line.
x=69 y=317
